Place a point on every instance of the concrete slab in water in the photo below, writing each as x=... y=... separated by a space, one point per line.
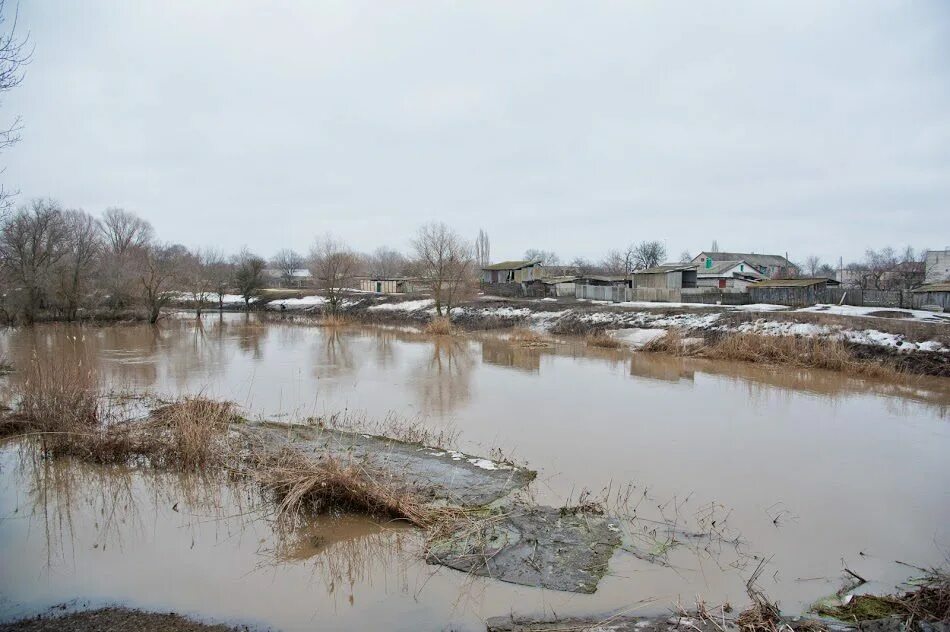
x=544 y=547
x=444 y=475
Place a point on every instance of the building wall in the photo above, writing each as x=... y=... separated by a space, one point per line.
x=938 y=266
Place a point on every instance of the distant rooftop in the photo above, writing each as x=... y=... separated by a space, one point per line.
x=511 y=265
x=751 y=257
x=791 y=282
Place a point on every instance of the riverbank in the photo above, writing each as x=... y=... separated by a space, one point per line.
x=882 y=343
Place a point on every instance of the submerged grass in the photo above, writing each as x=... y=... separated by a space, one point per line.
x=525 y=337
x=928 y=601
x=603 y=340
x=440 y=326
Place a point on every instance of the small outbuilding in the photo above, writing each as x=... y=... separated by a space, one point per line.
x=932 y=296
x=669 y=276
x=512 y=272
x=389 y=285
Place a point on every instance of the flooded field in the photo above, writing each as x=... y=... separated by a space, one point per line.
x=811 y=470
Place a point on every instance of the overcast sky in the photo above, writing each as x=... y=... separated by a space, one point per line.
x=807 y=127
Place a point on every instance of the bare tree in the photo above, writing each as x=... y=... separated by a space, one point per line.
x=77 y=268
x=196 y=274
x=220 y=272
x=157 y=268
x=14 y=54
x=582 y=265
x=811 y=265
x=125 y=235
x=547 y=257
x=248 y=276
x=446 y=262
x=685 y=257
x=287 y=262
x=32 y=243
x=618 y=262
x=648 y=254
x=482 y=249
x=386 y=262
x=333 y=266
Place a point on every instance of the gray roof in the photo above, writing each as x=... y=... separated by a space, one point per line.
x=751 y=257
x=721 y=267
x=511 y=265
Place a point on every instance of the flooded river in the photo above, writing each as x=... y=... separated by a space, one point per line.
x=811 y=470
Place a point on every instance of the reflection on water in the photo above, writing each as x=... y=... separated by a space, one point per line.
x=855 y=470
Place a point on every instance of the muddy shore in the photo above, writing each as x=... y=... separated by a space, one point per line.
x=115 y=619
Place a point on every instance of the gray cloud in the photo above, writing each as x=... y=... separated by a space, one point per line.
x=807 y=127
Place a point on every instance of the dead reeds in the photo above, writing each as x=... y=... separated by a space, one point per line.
x=603 y=340
x=54 y=400
x=811 y=352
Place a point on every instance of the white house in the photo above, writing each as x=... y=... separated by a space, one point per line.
x=937 y=266
x=728 y=274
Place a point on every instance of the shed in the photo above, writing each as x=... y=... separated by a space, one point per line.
x=792 y=292
x=512 y=272
x=389 y=285
x=666 y=277
x=933 y=294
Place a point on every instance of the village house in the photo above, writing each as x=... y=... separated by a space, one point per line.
x=512 y=272
x=390 y=284
x=728 y=274
x=770 y=266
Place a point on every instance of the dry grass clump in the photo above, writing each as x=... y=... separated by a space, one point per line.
x=187 y=432
x=303 y=486
x=524 y=337
x=673 y=341
x=439 y=326
x=603 y=339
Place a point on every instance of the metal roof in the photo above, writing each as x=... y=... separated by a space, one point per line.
x=511 y=265
x=790 y=282
x=941 y=286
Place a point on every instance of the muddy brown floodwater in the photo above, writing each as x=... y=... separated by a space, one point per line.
x=814 y=470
